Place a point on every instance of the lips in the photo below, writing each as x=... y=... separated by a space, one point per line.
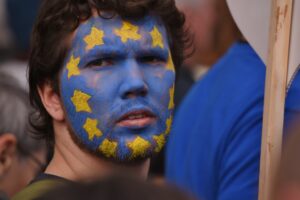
x=137 y=119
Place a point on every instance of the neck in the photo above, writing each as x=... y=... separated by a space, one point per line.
x=72 y=163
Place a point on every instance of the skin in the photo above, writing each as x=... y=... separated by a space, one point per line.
x=13 y=165
x=117 y=87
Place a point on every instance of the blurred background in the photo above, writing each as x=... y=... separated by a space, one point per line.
x=21 y=156
x=16 y=21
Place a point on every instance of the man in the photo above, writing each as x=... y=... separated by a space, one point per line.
x=212 y=27
x=21 y=157
x=217 y=132
x=214 y=32
x=101 y=74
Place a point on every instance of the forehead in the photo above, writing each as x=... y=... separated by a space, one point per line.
x=99 y=33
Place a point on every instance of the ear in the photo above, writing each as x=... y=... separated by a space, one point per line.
x=8 y=147
x=51 y=102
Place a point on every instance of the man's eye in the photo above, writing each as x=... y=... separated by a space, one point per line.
x=103 y=62
x=152 y=60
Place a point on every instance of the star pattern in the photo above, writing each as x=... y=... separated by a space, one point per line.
x=128 y=31
x=90 y=127
x=160 y=141
x=170 y=64
x=80 y=101
x=94 y=38
x=171 y=102
x=168 y=125
x=72 y=67
x=108 y=148
x=157 y=39
x=139 y=146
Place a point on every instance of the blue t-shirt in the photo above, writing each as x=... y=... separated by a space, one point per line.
x=214 y=147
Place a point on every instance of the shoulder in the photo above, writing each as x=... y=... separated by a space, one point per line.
x=239 y=65
x=37 y=188
x=238 y=76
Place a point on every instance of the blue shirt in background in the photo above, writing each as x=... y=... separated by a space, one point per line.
x=214 y=147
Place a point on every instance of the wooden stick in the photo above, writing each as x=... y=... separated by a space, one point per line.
x=275 y=94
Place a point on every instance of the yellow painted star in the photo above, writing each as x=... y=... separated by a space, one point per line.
x=160 y=141
x=108 y=148
x=171 y=102
x=72 y=67
x=139 y=146
x=157 y=39
x=90 y=127
x=80 y=101
x=168 y=125
x=94 y=38
x=128 y=31
x=170 y=64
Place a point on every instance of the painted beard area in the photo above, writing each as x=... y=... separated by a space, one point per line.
x=117 y=87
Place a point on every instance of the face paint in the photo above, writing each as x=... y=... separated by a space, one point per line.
x=117 y=87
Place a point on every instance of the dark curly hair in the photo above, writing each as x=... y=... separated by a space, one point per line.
x=56 y=21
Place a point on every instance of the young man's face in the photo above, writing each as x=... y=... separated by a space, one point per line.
x=117 y=87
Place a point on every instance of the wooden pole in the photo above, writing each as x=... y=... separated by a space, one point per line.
x=275 y=94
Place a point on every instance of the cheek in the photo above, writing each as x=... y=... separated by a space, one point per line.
x=105 y=86
x=96 y=83
x=163 y=84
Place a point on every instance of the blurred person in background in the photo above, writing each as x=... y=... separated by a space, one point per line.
x=210 y=23
x=115 y=188
x=21 y=157
x=201 y=21
x=101 y=75
x=213 y=33
x=214 y=146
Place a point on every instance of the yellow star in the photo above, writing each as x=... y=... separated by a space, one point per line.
x=139 y=146
x=128 y=31
x=80 y=101
x=160 y=141
x=108 y=148
x=157 y=39
x=72 y=67
x=170 y=64
x=90 y=127
x=94 y=38
x=168 y=125
x=171 y=102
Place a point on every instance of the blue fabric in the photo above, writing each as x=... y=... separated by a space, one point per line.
x=214 y=148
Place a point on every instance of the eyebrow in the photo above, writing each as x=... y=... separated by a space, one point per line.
x=153 y=51
x=107 y=50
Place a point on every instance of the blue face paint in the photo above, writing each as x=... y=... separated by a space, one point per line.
x=117 y=87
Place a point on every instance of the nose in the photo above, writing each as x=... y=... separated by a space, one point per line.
x=134 y=84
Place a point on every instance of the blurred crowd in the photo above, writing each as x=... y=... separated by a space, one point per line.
x=214 y=164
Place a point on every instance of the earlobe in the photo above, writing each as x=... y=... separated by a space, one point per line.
x=8 y=147
x=51 y=101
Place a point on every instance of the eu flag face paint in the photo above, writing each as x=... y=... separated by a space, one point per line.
x=117 y=87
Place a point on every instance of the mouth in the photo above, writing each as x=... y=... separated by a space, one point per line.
x=137 y=119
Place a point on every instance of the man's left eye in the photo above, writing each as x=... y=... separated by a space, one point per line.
x=103 y=62
x=152 y=60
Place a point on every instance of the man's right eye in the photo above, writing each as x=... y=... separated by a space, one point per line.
x=103 y=62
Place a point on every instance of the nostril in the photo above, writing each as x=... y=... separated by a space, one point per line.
x=144 y=93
